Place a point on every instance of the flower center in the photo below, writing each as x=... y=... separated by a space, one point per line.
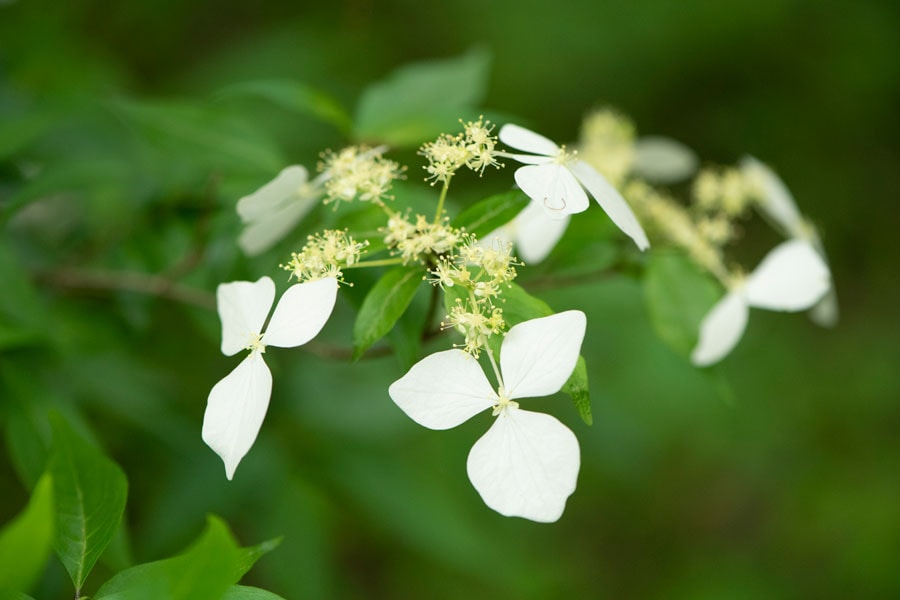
x=503 y=402
x=255 y=343
x=564 y=157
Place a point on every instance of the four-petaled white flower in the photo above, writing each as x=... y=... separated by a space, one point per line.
x=274 y=209
x=527 y=464
x=777 y=203
x=237 y=404
x=554 y=178
x=792 y=277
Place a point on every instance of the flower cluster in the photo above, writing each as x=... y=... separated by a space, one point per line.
x=474 y=148
x=358 y=172
x=527 y=463
x=481 y=272
x=324 y=255
x=725 y=191
x=419 y=240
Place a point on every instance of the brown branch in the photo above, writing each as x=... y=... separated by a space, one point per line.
x=127 y=281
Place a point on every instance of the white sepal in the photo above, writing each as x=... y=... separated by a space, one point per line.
x=301 y=313
x=611 y=201
x=526 y=140
x=663 y=160
x=265 y=230
x=791 y=277
x=235 y=410
x=243 y=307
x=443 y=390
x=536 y=233
x=554 y=187
x=777 y=202
x=721 y=329
x=272 y=195
x=526 y=465
x=538 y=356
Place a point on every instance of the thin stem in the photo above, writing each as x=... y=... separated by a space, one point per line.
x=496 y=370
x=440 y=207
x=143 y=283
x=384 y=262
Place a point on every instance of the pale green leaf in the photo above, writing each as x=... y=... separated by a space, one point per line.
x=678 y=295
x=25 y=543
x=294 y=96
x=419 y=101
x=204 y=572
x=243 y=592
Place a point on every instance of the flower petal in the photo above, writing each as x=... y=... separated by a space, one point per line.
x=443 y=390
x=530 y=159
x=721 y=329
x=538 y=356
x=663 y=160
x=791 y=277
x=536 y=233
x=524 y=139
x=777 y=202
x=611 y=201
x=825 y=312
x=267 y=229
x=526 y=465
x=552 y=186
x=243 y=306
x=235 y=410
x=301 y=313
x=272 y=195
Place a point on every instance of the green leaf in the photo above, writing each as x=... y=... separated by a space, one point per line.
x=406 y=336
x=577 y=388
x=243 y=592
x=419 y=101
x=25 y=543
x=198 y=134
x=383 y=305
x=485 y=216
x=90 y=492
x=678 y=295
x=294 y=96
x=247 y=557
x=204 y=572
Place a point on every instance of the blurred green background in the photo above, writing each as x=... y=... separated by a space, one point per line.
x=117 y=153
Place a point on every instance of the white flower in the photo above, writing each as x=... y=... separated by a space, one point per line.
x=778 y=205
x=527 y=464
x=237 y=404
x=532 y=231
x=555 y=178
x=663 y=160
x=274 y=209
x=792 y=277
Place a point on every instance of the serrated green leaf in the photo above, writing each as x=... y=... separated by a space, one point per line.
x=678 y=295
x=89 y=493
x=485 y=216
x=243 y=592
x=419 y=101
x=204 y=572
x=294 y=96
x=25 y=543
x=384 y=304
